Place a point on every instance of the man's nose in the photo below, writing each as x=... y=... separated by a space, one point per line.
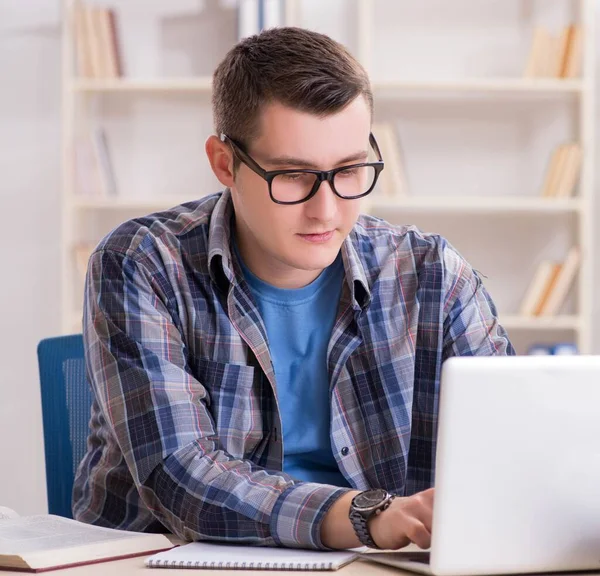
x=323 y=205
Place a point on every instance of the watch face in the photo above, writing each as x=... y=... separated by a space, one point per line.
x=370 y=499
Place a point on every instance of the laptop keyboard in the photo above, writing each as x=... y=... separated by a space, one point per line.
x=421 y=557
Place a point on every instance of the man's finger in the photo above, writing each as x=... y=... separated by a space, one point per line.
x=421 y=507
x=418 y=533
x=424 y=513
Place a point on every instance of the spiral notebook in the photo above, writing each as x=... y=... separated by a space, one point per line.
x=224 y=556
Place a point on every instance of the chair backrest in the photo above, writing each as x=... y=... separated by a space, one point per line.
x=66 y=403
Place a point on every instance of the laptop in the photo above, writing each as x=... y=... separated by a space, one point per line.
x=517 y=484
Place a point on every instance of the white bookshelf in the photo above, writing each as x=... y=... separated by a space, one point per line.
x=135 y=85
x=513 y=204
x=382 y=88
x=541 y=323
x=474 y=204
x=111 y=204
x=520 y=204
x=498 y=86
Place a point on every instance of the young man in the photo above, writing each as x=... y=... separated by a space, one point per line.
x=265 y=361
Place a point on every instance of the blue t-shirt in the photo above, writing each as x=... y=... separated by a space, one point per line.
x=299 y=323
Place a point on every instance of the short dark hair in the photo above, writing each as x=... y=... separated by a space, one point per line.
x=298 y=68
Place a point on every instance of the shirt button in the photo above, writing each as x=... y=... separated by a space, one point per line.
x=345 y=451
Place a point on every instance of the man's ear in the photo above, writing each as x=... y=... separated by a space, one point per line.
x=220 y=157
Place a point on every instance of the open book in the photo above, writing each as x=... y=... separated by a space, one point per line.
x=38 y=543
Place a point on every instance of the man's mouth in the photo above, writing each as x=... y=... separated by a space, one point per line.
x=317 y=238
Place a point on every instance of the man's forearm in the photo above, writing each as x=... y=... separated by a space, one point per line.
x=336 y=530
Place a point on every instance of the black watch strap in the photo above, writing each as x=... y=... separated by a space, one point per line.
x=361 y=528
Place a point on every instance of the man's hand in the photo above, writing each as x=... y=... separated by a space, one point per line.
x=406 y=520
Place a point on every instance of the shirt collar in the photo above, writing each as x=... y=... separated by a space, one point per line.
x=223 y=272
x=360 y=291
x=220 y=266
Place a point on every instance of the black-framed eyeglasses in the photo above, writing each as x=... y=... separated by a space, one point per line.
x=296 y=186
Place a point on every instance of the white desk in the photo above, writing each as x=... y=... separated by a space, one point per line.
x=135 y=567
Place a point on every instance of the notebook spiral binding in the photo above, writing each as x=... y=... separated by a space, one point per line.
x=241 y=565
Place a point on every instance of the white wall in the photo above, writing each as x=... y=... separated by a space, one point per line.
x=29 y=230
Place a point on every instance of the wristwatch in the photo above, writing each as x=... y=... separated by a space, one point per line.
x=364 y=506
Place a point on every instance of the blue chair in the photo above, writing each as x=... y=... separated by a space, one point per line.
x=66 y=403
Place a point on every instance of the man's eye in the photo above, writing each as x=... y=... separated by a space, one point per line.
x=295 y=176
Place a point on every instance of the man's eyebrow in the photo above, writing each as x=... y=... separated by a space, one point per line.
x=280 y=161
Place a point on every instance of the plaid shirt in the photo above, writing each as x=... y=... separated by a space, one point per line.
x=185 y=427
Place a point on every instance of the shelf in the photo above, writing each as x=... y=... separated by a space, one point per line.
x=381 y=88
x=160 y=203
x=508 y=204
x=198 y=84
x=540 y=323
x=480 y=85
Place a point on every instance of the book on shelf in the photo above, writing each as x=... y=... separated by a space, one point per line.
x=94 y=170
x=96 y=42
x=563 y=283
x=555 y=167
x=561 y=51
x=550 y=285
x=565 y=349
x=107 y=25
x=555 y=56
x=82 y=43
x=539 y=61
x=560 y=349
x=562 y=174
x=47 y=542
x=539 y=350
x=393 y=181
x=82 y=253
x=107 y=173
x=547 y=288
x=542 y=280
x=574 y=57
x=569 y=176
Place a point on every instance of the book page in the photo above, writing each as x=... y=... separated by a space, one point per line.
x=43 y=533
x=7 y=513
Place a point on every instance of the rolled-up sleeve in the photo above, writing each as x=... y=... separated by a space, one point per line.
x=137 y=364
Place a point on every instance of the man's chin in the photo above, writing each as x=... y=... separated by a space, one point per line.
x=315 y=258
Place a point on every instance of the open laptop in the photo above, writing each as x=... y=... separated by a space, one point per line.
x=517 y=468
